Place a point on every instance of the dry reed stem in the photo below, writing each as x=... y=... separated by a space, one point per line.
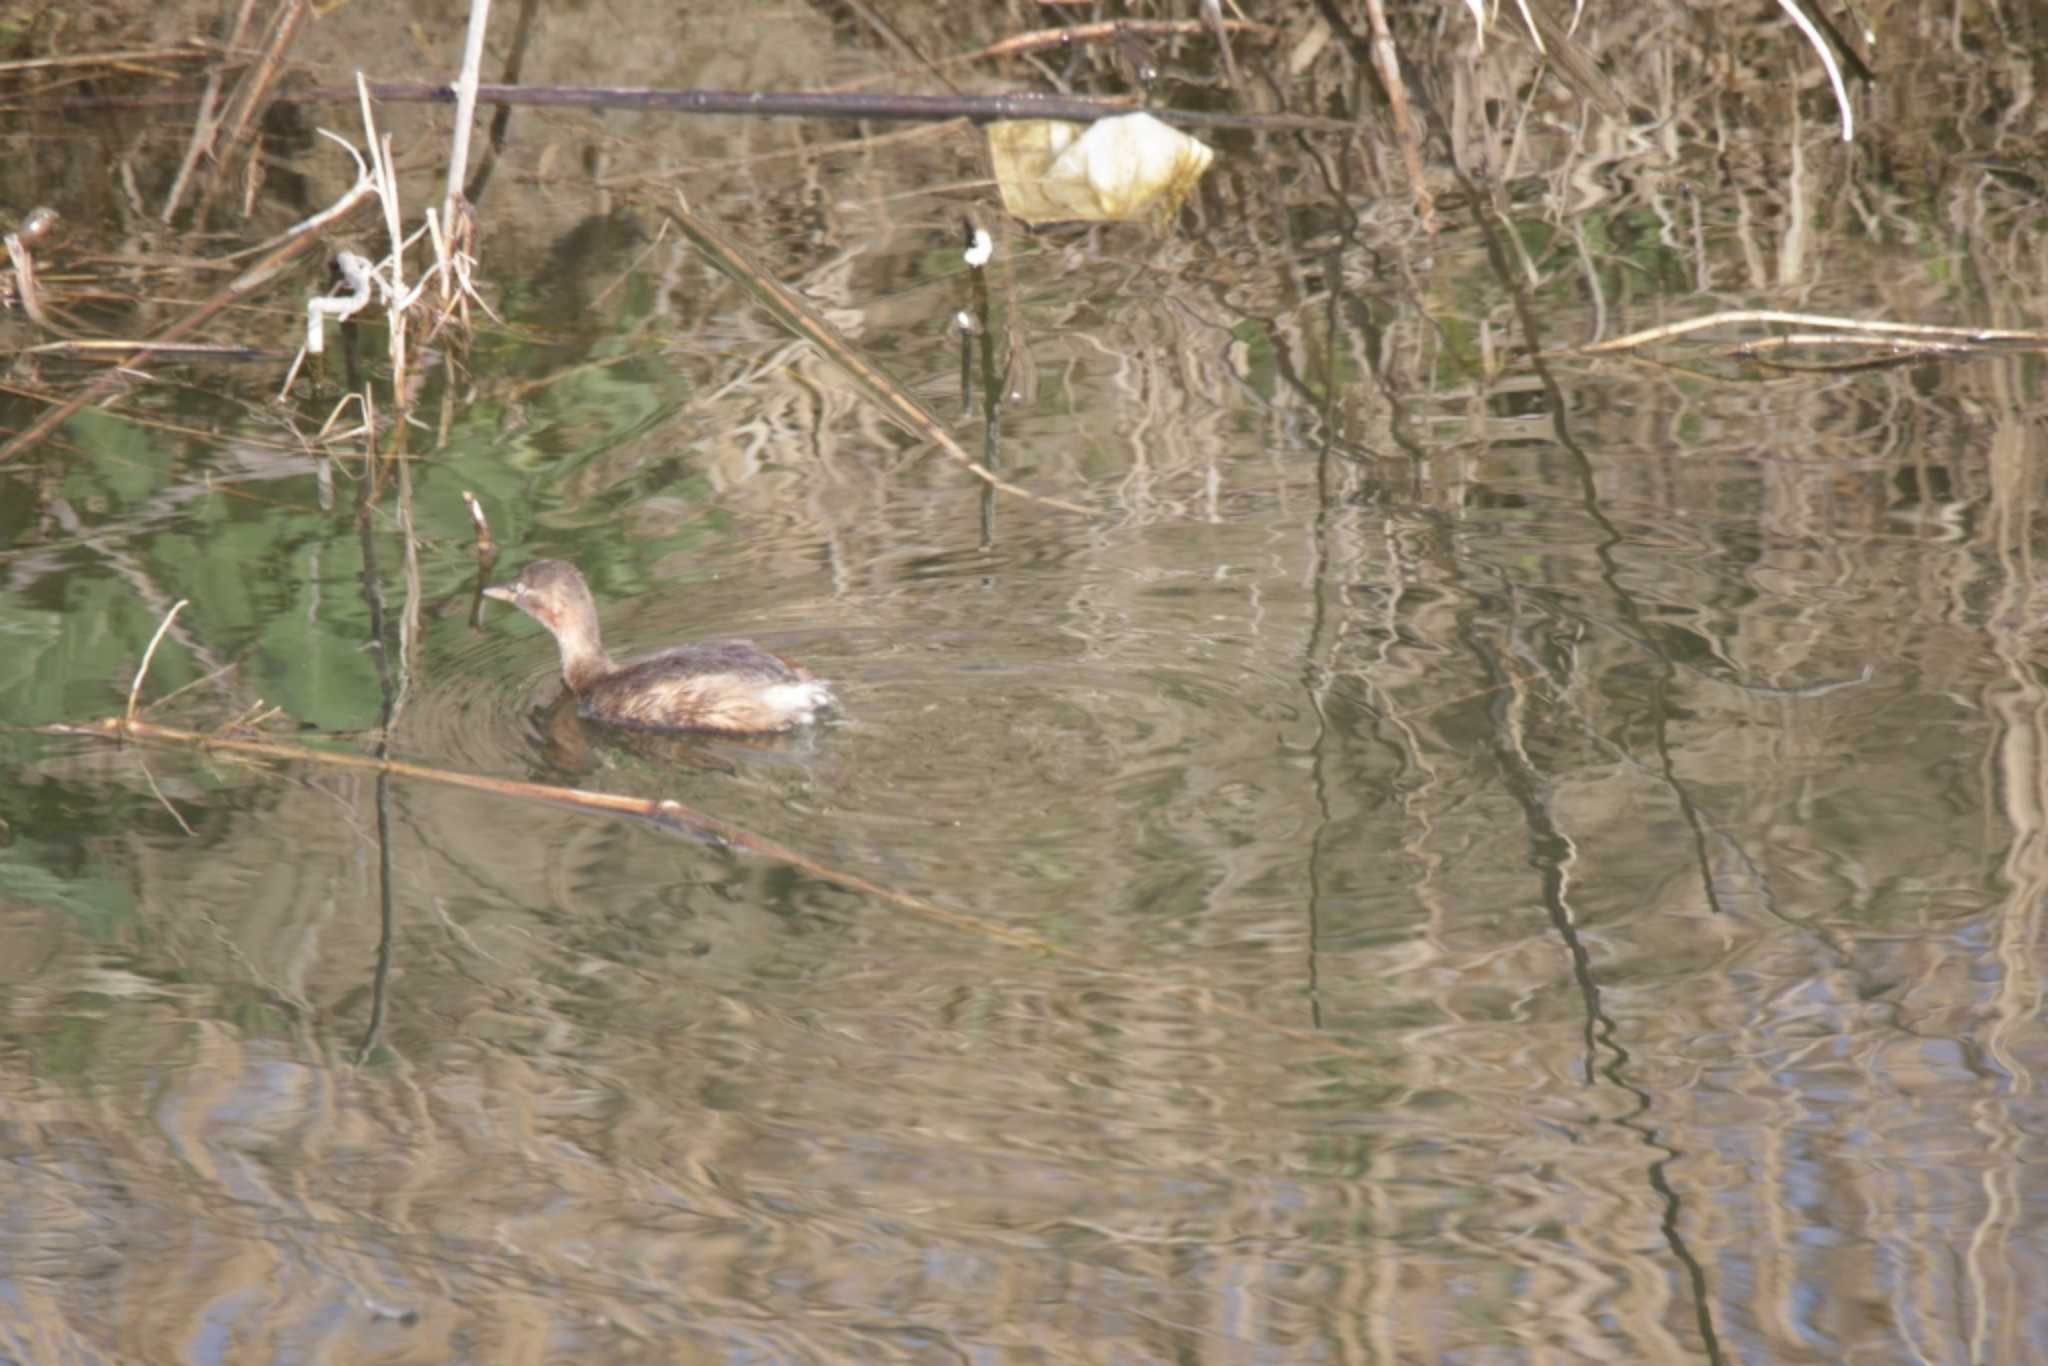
x=900 y=45
x=805 y=321
x=1212 y=18
x=158 y=793
x=677 y=816
x=385 y=174
x=293 y=241
x=815 y=104
x=1099 y=31
x=117 y=350
x=1827 y=59
x=465 y=104
x=1386 y=60
x=198 y=682
x=204 y=126
x=1528 y=22
x=25 y=282
x=1852 y=326
x=248 y=98
x=109 y=59
x=484 y=545
x=135 y=688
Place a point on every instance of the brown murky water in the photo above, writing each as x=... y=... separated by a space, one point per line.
x=1463 y=858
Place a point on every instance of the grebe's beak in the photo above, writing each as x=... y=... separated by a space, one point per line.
x=504 y=592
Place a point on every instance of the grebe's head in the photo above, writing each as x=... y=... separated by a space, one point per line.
x=553 y=594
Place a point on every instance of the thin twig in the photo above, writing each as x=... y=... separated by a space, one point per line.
x=107 y=59
x=135 y=688
x=387 y=194
x=300 y=237
x=1908 y=331
x=1386 y=60
x=207 y=124
x=150 y=778
x=807 y=323
x=1212 y=15
x=121 y=350
x=204 y=125
x=901 y=45
x=484 y=545
x=1827 y=59
x=198 y=682
x=1103 y=30
x=25 y=282
x=824 y=104
x=248 y=98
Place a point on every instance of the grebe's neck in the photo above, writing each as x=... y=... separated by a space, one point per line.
x=583 y=658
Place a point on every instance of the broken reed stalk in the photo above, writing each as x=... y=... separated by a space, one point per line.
x=450 y=270
x=485 y=546
x=294 y=240
x=827 y=104
x=1212 y=16
x=677 y=816
x=906 y=50
x=206 y=123
x=247 y=99
x=25 y=270
x=204 y=126
x=807 y=323
x=1826 y=52
x=1854 y=327
x=135 y=688
x=765 y=103
x=134 y=57
x=1386 y=60
x=379 y=148
x=116 y=350
x=465 y=105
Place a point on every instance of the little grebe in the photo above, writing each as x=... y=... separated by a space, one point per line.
x=732 y=686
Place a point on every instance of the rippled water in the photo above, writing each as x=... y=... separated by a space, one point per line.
x=1413 y=879
x=1370 y=960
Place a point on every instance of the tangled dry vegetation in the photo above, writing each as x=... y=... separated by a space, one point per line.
x=1711 y=145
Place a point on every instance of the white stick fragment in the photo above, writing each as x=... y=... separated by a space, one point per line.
x=356 y=273
x=483 y=526
x=135 y=688
x=1827 y=59
x=465 y=103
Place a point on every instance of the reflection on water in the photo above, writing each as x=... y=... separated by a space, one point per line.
x=1569 y=960
x=1415 y=880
